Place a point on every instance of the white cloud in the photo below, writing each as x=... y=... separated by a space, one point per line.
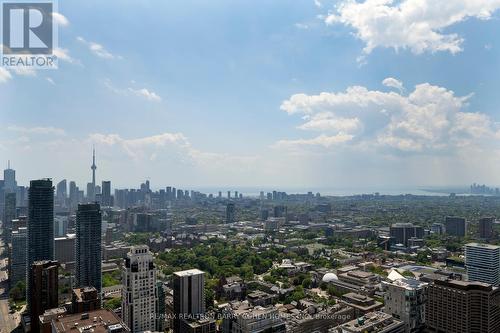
x=137 y=148
x=318 y=4
x=37 y=130
x=4 y=75
x=98 y=49
x=417 y=25
x=51 y=81
x=63 y=54
x=429 y=119
x=322 y=140
x=145 y=93
x=328 y=121
x=174 y=146
x=393 y=83
x=139 y=92
x=60 y=19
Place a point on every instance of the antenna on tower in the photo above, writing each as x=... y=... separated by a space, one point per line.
x=8 y=164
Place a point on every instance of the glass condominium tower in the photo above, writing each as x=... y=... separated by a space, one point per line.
x=40 y=226
x=88 y=246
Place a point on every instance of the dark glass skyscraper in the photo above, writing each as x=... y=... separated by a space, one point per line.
x=106 y=194
x=9 y=214
x=230 y=213
x=40 y=226
x=9 y=178
x=486 y=227
x=455 y=226
x=88 y=246
x=61 y=193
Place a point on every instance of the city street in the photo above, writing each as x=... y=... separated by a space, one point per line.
x=8 y=321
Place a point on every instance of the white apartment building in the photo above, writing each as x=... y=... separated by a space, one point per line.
x=139 y=290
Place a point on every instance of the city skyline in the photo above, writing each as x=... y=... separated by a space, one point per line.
x=285 y=166
x=294 y=95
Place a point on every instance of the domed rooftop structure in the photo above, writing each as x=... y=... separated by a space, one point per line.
x=329 y=277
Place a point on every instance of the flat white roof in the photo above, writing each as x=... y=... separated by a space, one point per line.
x=189 y=272
x=482 y=245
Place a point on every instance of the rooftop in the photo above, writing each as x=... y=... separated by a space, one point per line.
x=372 y=322
x=466 y=285
x=482 y=245
x=98 y=321
x=409 y=284
x=189 y=272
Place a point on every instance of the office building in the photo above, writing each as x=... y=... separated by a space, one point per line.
x=139 y=290
x=402 y=232
x=84 y=300
x=73 y=195
x=17 y=260
x=437 y=228
x=405 y=300
x=40 y=226
x=280 y=211
x=455 y=226
x=106 y=199
x=482 y=262
x=486 y=227
x=230 y=213
x=9 y=179
x=9 y=214
x=143 y=222
x=61 y=193
x=462 y=307
x=189 y=299
x=88 y=246
x=44 y=283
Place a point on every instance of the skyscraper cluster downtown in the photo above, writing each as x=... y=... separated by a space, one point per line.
x=43 y=241
x=180 y=261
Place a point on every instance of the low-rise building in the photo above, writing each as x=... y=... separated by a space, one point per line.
x=242 y=317
x=98 y=321
x=84 y=300
x=379 y=322
x=260 y=298
x=361 y=303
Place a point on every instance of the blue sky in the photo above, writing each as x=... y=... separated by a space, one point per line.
x=207 y=93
